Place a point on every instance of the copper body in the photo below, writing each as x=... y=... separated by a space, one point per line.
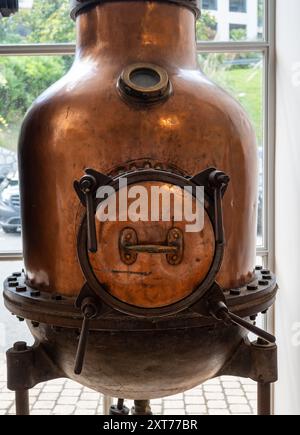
x=81 y=121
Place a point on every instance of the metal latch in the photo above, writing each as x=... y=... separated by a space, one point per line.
x=129 y=246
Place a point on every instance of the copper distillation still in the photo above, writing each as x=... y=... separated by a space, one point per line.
x=138 y=310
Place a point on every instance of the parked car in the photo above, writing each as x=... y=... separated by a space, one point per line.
x=10 y=219
x=8 y=163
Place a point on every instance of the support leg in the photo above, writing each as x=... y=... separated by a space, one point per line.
x=119 y=409
x=26 y=367
x=264 y=398
x=141 y=407
x=22 y=402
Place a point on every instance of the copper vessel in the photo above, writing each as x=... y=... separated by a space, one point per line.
x=158 y=315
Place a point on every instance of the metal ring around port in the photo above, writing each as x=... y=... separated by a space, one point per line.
x=138 y=93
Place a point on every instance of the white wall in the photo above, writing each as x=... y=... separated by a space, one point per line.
x=287 y=392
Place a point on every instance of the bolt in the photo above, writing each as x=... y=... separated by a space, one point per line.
x=12 y=279
x=21 y=289
x=258 y=268
x=20 y=346
x=13 y=284
x=265 y=312
x=265 y=272
x=35 y=324
x=235 y=292
x=263 y=283
x=252 y=287
x=35 y=294
x=57 y=297
x=17 y=274
x=262 y=342
x=20 y=319
x=268 y=277
x=253 y=318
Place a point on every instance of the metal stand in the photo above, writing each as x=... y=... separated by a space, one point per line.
x=141 y=407
x=119 y=409
x=257 y=361
x=29 y=366
x=22 y=402
x=264 y=403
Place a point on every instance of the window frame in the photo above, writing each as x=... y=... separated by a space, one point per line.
x=267 y=48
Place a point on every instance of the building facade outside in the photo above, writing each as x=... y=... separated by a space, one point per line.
x=233 y=15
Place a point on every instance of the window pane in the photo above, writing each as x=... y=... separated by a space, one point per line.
x=39 y=21
x=236 y=20
x=22 y=79
x=242 y=75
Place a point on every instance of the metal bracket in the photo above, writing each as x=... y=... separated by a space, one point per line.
x=257 y=361
x=28 y=366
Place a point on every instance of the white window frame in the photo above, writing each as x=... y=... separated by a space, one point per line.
x=267 y=48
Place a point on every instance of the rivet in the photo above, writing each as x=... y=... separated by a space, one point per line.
x=21 y=289
x=267 y=277
x=20 y=319
x=265 y=272
x=235 y=292
x=128 y=257
x=253 y=318
x=176 y=235
x=174 y=258
x=35 y=324
x=128 y=236
x=20 y=346
x=265 y=312
x=12 y=279
x=258 y=268
x=13 y=284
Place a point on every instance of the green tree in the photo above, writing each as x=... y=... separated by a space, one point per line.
x=22 y=79
x=206 y=27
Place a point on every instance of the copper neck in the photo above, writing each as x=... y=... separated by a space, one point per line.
x=133 y=31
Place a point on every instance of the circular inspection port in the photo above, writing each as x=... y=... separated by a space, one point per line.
x=144 y=83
